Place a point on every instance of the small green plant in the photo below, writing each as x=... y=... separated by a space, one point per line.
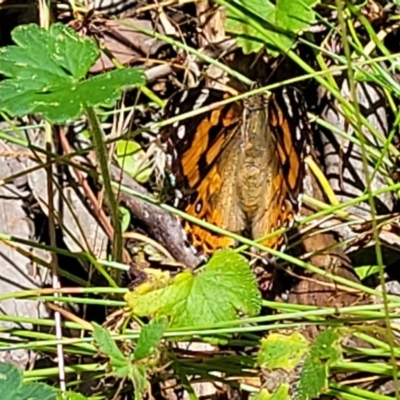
x=45 y=74
x=307 y=364
x=138 y=364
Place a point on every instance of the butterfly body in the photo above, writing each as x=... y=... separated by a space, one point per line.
x=257 y=159
x=230 y=169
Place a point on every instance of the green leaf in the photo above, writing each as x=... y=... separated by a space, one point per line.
x=327 y=347
x=32 y=61
x=294 y=15
x=44 y=74
x=122 y=366
x=131 y=158
x=325 y=351
x=223 y=287
x=282 y=351
x=248 y=37
x=149 y=338
x=119 y=363
x=12 y=388
x=282 y=393
x=366 y=271
x=125 y=218
x=261 y=23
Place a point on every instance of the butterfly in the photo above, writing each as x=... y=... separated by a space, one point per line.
x=239 y=166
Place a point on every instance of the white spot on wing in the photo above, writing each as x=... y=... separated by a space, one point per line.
x=181 y=132
x=201 y=99
x=184 y=97
x=198 y=207
x=298 y=133
x=288 y=103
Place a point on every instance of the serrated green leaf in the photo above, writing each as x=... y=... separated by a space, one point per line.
x=75 y=53
x=314 y=375
x=313 y=379
x=149 y=338
x=44 y=72
x=215 y=294
x=119 y=363
x=282 y=351
x=31 y=61
x=48 y=53
x=12 y=388
x=327 y=346
x=277 y=23
x=130 y=157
